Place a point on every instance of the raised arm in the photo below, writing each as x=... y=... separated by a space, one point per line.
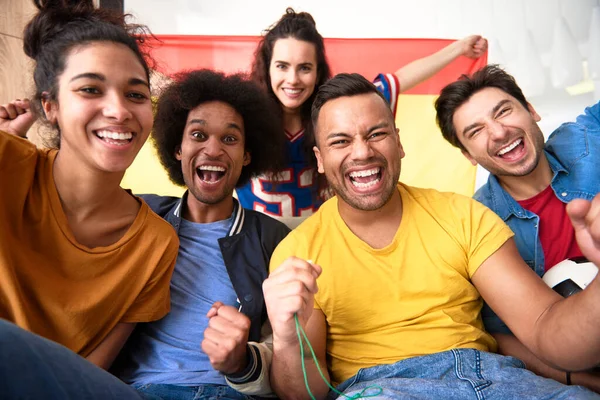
x=424 y=68
x=16 y=117
x=290 y=290
x=564 y=333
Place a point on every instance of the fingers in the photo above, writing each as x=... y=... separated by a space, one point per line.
x=13 y=109
x=214 y=309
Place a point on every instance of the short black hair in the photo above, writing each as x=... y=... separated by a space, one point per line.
x=262 y=124
x=457 y=93
x=342 y=85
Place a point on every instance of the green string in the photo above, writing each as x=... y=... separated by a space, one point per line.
x=301 y=334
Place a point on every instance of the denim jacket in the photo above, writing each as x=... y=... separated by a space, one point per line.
x=573 y=152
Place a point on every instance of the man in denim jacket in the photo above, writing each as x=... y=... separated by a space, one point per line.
x=530 y=182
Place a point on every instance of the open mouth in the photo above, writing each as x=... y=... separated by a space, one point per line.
x=115 y=138
x=512 y=150
x=366 y=178
x=210 y=174
x=292 y=92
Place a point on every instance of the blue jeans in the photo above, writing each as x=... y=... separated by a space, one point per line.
x=205 y=392
x=459 y=374
x=32 y=367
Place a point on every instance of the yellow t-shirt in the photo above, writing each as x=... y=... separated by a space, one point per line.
x=411 y=298
x=58 y=288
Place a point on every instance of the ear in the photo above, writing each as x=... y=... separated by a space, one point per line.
x=320 y=168
x=400 y=148
x=178 y=153
x=247 y=158
x=50 y=108
x=534 y=114
x=468 y=156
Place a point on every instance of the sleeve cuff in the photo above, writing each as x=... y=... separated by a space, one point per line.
x=252 y=370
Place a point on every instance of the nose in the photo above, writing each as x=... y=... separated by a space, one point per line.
x=292 y=76
x=497 y=130
x=213 y=147
x=361 y=150
x=116 y=108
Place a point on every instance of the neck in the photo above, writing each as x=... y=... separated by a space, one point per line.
x=202 y=213
x=525 y=187
x=377 y=228
x=83 y=190
x=292 y=120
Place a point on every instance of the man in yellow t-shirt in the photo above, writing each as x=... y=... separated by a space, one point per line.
x=400 y=271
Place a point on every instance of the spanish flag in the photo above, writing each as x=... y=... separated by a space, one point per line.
x=430 y=161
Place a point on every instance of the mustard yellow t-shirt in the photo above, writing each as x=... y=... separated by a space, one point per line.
x=411 y=298
x=55 y=287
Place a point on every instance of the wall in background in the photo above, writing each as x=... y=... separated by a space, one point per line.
x=528 y=37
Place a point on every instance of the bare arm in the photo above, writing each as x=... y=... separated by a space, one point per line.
x=106 y=352
x=509 y=345
x=563 y=332
x=16 y=117
x=424 y=68
x=290 y=290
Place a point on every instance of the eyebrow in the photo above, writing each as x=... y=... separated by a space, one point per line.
x=342 y=134
x=497 y=107
x=287 y=63
x=197 y=121
x=102 y=78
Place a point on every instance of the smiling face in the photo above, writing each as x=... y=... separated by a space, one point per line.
x=293 y=72
x=212 y=152
x=103 y=107
x=499 y=134
x=359 y=150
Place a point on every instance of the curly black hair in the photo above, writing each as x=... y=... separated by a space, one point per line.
x=262 y=124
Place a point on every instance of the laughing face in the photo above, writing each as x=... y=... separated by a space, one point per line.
x=212 y=152
x=499 y=134
x=293 y=72
x=103 y=107
x=359 y=150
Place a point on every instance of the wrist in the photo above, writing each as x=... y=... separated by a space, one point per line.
x=244 y=367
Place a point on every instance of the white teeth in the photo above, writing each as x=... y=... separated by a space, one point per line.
x=510 y=147
x=292 y=91
x=211 y=168
x=367 y=172
x=114 y=135
x=365 y=185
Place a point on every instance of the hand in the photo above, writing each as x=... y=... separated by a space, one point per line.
x=225 y=338
x=473 y=46
x=16 y=117
x=290 y=290
x=585 y=217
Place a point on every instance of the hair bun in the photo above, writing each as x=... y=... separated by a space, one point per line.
x=291 y=14
x=51 y=19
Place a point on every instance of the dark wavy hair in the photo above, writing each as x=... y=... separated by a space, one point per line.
x=299 y=26
x=262 y=124
x=458 y=93
x=61 y=25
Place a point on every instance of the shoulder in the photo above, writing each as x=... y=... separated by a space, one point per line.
x=157 y=230
x=161 y=205
x=266 y=225
x=16 y=151
x=448 y=207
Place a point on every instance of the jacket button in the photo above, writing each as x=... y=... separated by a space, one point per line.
x=226 y=245
x=248 y=297
x=563 y=194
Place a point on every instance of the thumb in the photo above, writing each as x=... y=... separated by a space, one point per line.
x=577 y=211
